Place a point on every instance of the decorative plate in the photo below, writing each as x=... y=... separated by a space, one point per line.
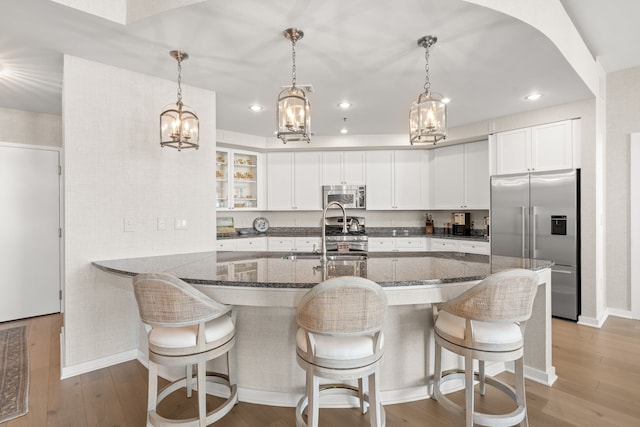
x=261 y=224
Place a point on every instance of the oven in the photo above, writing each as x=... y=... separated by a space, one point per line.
x=355 y=240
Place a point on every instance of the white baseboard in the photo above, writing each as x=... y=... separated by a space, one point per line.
x=593 y=322
x=626 y=314
x=542 y=377
x=103 y=362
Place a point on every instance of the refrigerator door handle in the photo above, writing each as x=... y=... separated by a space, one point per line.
x=524 y=231
x=533 y=232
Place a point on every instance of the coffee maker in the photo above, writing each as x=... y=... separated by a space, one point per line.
x=461 y=224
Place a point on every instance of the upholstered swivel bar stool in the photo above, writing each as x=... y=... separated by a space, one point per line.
x=340 y=338
x=486 y=323
x=187 y=328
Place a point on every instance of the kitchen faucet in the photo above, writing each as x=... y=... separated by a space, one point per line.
x=323 y=244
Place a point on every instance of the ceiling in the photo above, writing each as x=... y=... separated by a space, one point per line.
x=363 y=51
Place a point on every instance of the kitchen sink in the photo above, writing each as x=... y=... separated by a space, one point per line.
x=331 y=257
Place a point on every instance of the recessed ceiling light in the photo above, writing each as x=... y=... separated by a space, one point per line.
x=344 y=105
x=256 y=107
x=533 y=96
x=344 y=130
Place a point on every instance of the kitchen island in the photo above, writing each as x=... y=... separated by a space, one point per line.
x=266 y=286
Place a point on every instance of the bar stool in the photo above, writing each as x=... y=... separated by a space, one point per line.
x=186 y=328
x=486 y=323
x=340 y=338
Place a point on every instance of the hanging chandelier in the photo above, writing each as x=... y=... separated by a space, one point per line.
x=293 y=121
x=179 y=124
x=428 y=114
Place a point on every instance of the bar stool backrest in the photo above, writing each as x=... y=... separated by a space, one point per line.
x=345 y=305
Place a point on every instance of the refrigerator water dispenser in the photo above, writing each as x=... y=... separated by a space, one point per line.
x=559 y=225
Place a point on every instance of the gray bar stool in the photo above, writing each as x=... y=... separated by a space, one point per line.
x=486 y=323
x=186 y=328
x=340 y=338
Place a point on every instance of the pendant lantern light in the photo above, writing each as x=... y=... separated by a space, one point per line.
x=293 y=120
x=428 y=114
x=179 y=124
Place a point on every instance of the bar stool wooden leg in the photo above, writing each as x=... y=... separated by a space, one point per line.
x=521 y=398
x=468 y=382
x=375 y=415
x=437 y=371
x=481 y=377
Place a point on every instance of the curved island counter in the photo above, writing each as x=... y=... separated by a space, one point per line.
x=266 y=286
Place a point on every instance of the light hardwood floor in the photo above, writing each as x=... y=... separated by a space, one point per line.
x=598 y=385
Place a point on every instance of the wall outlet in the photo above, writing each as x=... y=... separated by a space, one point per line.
x=128 y=225
x=180 y=224
x=162 y=224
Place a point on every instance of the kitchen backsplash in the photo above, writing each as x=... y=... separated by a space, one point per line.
x=373 y=218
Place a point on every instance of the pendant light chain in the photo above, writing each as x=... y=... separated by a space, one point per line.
x=427 y=83
x=180 y=80
x=293 y=57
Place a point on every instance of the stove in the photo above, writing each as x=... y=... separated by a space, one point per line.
x=354 y=240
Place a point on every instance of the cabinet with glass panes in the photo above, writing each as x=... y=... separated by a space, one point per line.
x=237 y=179
x=222 y=179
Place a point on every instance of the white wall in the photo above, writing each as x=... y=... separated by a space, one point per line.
x=24 y=127
x=115 y=169
x=623 y=118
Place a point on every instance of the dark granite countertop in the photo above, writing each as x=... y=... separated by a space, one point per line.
x=244 y=233
x=275 y=270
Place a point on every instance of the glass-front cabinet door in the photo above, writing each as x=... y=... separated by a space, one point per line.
x=238 y=179
x=245 y=180
x=222 y=179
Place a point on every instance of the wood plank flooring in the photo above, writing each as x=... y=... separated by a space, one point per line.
x=598 y=385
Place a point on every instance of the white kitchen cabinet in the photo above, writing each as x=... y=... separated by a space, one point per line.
x=343 y=167
x=238 y=179
x=547 y=147
x=245 y=244
x=483 y=248
x=461 y=176
x=398 y=244
x=447 y=245
x=307 y=244
x=397 y=179
x=226 y=245
x=293 y=244
x=281 y=244
x=294 y=181
x=252 y=244
x=381 y=244
x=452 y=245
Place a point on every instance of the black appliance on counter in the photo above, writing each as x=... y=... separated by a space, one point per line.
x=354 y=240
x=461 y=225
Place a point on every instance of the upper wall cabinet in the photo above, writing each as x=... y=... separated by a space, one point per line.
x=398 y=179
x=293 y=180
x=343 y=167
x=238 y=180
x=461 y=176
x=546 y=147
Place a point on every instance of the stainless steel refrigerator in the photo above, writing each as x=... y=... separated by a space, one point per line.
x=537 y=215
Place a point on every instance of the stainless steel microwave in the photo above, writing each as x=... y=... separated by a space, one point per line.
x=351 y=196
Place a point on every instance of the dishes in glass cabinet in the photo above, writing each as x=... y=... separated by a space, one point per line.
x=261 y=224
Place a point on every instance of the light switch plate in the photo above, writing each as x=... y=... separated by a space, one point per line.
x=180 y=224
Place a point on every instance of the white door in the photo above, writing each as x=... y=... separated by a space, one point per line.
x=29 y=231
